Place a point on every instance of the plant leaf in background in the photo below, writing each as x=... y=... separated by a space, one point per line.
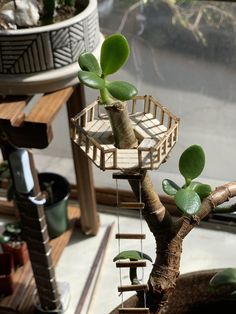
x=91 y=80
x=88 y=62
x=187 y=201
x=170 y=187
x=132 y=255
x=121 y=90
x=203 y=190
x=4 y=238
x=224 y=277
x=114 y=53
x=192 y=162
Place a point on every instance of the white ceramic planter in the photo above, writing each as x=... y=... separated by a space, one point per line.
x=43 y=59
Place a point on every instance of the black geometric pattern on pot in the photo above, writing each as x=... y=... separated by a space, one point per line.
x=93 y=30
x=67 y=55
x=25 y=54
x=65 y=42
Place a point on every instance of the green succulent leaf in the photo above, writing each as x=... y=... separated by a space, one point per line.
x=114 y=53
x=224 y=277
x=132 y=255
x=4 y=239
x=14 y=228
x=187 y=201
x=192 y=162
x=203 y=190
x=121 y=90
x=170 y=187
x=88 y=62
x=91 y=80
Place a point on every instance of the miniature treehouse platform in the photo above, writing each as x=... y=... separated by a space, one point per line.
x=156 y=129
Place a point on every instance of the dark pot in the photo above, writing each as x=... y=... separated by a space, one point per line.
x=20 y=253
x=6 y=274
x=56 y=212
x=193 y=296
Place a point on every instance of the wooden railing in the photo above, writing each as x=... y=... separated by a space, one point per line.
x=154 y=155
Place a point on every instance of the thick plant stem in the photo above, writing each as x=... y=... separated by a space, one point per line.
x=168 y=233
x=168 y=245
x=123 y=132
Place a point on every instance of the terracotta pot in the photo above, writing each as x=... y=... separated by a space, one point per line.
x=6 y=274
x=193 y=296
x=20 y=253
x=45 y=58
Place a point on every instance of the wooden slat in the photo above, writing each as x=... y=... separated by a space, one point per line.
x=48 y=106
x=126 y=288
x=134 y=205
x=131 y=264
x=12 y=111
x=134 y=310
x=127 y=176
x=130 y=236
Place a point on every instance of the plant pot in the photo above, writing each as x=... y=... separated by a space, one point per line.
x=193 y=296
x=45 y=58
x=56 y=213
x=19 y=252
x=6 y=274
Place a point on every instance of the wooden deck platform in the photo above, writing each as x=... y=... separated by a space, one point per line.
x=23 y=298
x=155 y=127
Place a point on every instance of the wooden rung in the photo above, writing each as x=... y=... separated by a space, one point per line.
x=134 y=310
x=133 y=205
x=127 y=176
x=132 y=264
x=139 y=287
x=130 y=236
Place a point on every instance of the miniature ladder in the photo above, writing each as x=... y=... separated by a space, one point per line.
x=121 y=236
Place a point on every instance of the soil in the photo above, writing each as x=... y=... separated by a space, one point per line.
x=193 y=296
x=62 y=13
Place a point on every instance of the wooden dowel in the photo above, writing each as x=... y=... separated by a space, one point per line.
x=134 y=205
x=134 y=311
x=127 y=176
x=126 y=288
x=131 y=264
x=130 y=236
x=92 y=272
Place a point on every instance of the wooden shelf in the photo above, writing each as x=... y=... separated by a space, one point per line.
x=23 y=298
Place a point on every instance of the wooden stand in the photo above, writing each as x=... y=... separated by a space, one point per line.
x=23 y=299
x=34 y=130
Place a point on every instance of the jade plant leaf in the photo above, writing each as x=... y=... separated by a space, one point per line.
x=132 y=255
x=121 y=90
x=114 y=53
x=203 y=190
x=170 y=187
x=224 y=277
x=187 y=201
x=88 y=62
x=91 y=80
x=192 y=162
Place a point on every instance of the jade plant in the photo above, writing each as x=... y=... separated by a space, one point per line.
x=188 y=198
x=194 y=200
